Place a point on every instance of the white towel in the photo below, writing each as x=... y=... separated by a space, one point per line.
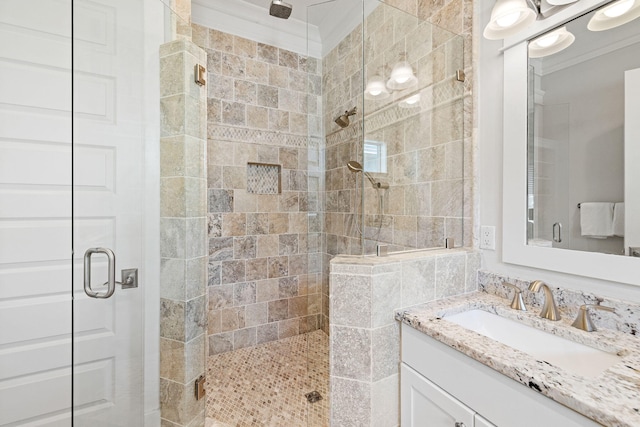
x=618 y=219
x=596 y=219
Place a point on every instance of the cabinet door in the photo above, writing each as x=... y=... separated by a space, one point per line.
x=481 y=422
x=424 y=404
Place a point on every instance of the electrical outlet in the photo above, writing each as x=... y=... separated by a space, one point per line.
x=488 y=237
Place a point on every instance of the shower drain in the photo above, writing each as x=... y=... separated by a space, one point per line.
x=313 y=396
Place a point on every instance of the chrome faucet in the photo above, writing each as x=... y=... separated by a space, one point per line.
x=583 y=320
x=549 y=309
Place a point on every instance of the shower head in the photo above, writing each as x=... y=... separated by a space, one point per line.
x=343 y=120
x=354 y=166
x=280 y=9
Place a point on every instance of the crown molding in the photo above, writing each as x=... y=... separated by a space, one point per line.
x=253 y=22
x=554 y=66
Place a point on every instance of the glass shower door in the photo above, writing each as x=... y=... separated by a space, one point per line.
x=35 y=212
x=110 y=208
x=77 y=119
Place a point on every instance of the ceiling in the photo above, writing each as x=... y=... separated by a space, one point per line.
x=588 y=44
x=314 y=28
x=299 y=12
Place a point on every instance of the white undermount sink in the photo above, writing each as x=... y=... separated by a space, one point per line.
x=563 y=353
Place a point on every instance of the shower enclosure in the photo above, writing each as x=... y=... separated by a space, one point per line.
x=80 y=185
x=79 y=132
x=407 y=140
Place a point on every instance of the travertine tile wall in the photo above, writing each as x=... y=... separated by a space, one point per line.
x=429 y=164
x=264 y=249
x=183 y=234
x=365 y=338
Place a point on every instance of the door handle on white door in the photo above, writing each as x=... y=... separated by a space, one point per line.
x=557 y=237
x=111 y=273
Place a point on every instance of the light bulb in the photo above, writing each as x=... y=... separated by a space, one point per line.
x=376 y=89
x=509 y=19
x=402 y=76
x=547 y=41
x=551 y=43
x=619 y=8
x=410 y=102
x=412 y=99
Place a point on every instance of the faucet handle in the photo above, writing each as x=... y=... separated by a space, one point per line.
x=583 y=320
x=518 y=302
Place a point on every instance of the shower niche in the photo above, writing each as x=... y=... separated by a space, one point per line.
x=263 y=178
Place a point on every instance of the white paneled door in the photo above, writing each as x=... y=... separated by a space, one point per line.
x=71 y=178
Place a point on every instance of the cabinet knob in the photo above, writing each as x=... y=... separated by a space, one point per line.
x=459 y=424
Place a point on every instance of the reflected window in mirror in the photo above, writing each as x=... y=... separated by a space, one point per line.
x=579 y=194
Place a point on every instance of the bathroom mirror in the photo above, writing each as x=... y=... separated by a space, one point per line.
x=571 y=137
x=576 y=140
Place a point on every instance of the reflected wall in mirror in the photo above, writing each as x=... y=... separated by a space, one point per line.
x=579 y=129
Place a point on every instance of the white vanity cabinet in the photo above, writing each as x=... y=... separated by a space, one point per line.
x=441 y=386
x=426 y=404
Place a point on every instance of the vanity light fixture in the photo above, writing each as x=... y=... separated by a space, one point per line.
x=550 y=43
x=560 y=2
x=616 y=14
x=509 y=17
x=376 y=88
x=402 y=76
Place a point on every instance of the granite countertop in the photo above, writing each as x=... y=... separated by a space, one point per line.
x=612 y=398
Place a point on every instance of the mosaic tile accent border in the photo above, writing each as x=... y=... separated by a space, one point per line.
x=443 y=93
x=237 y=134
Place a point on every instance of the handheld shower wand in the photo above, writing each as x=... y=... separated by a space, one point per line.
x=357 y=167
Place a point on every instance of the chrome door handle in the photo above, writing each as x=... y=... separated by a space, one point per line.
x=111 y=271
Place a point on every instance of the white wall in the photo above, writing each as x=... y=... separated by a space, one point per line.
x=489 y=87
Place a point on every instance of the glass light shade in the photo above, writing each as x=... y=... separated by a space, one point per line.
x=411 y=102
x=376 y=88
x=560 y=2
x=509 y=17
x=619 y=8
x=614 y=15
x=402 y=76
x=550 y=43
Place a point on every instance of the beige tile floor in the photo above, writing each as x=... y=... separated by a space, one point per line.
x=266 y=385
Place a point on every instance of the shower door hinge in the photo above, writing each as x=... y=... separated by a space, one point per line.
x=200 y=392
x=198 y=75
x=460 y=76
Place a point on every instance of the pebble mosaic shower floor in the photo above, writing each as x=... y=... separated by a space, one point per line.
x=266 y=385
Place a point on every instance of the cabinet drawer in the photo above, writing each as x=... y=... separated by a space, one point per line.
x=424 y=404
